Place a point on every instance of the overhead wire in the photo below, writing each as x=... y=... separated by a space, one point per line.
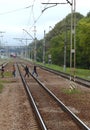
x=35 y=20
x=46 y=4
x=12 y=11
x=33 y=10
x=31 y=13
x=45 y=7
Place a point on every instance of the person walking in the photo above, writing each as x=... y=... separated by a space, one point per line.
x=26 y=71
x=14 y=71
x=35 y=70
x=2 y=71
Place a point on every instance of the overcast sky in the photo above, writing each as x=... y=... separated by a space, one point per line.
x=16 y=15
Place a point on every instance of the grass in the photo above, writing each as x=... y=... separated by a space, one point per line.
x=71 y=91
x=8 y=74
x=84 y=73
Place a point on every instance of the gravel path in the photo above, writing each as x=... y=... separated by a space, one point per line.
x=15 y=111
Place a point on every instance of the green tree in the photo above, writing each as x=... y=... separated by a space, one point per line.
x=83 y=43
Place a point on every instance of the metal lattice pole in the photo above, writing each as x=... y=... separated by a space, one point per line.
x=73 y=40
x=73 y=45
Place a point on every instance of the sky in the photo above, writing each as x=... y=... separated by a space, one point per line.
x=17 y=17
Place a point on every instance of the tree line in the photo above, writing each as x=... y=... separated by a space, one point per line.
x=57 y=38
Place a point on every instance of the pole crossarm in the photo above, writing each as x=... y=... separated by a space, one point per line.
x=69 y=2
x=54 y=4
x=49 y=7
x=22 y=39
x=2 y=32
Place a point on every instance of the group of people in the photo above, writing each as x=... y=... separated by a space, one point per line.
x=27 y=71
x=3 y=70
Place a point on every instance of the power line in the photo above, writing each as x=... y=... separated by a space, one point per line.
x=46 y=7
x=12 y=11
x=35 y=20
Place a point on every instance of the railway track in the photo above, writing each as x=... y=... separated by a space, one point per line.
x=53 y=114
x=3 y=64
x=34 y=123
x=76 y=79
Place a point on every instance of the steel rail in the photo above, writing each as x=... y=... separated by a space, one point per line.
x=38 y=115
x=83 y=81
x=3 y=64
x=64 y=107
x=79 y=80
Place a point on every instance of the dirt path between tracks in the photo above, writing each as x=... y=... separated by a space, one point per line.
x=14 y=108
x=15 y=111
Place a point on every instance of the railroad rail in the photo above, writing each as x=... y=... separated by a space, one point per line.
x=76 y=79
x=3 y=64
x=61 y=104
x=31 y=99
